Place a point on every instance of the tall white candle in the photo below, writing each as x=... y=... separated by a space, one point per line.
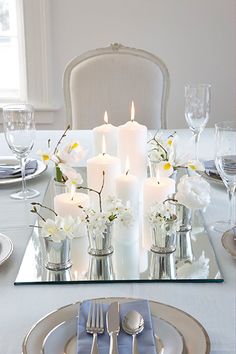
x=127 y=188
x=132 y=141
x=109 y=131
x=96 y=166
x=65 y=204
x=154 y=190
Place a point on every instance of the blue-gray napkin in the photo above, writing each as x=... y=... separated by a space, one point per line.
x=211 y=169
x=146 y=341
x=7 y=172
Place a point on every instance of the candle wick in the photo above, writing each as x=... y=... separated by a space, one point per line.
x=127 y=172
x=158 y=182
x=103 y=153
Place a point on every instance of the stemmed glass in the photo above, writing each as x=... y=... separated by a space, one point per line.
x=225 y=160
x=19 y=129
x=197 y=109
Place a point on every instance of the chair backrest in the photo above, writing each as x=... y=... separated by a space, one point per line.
x=109 y=79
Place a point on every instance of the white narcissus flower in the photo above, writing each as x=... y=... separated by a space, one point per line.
x=180 y=153
x=51 y=228
x=73 y=177
x=70 y=226
x=159 y=214
x=193 y=192
x=165 y=169
x=195 y=165
x=71 y=153
x=47 y=156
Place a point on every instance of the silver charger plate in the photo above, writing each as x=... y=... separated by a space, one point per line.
x=195 y=337
x=229 y=242
x=63 y=338
x=11 y=160
x=6 y=248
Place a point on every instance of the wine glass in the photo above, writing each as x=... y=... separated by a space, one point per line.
x=197 y=109
x=225 y=160
x=19 y=129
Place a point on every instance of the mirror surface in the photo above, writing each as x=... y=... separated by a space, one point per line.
x=128 y=262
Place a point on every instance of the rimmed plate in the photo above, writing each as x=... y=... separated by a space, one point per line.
x=62 y=339
x=6 y=248
x=11 y=160
x=195 y=336
x=229 y=242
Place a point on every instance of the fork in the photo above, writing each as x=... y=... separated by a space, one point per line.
x=95 y=324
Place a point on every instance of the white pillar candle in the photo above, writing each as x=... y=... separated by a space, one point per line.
x=132 y=141
x=65 y=205
x=109 y=132
x=154 y=190
x=108 y=164
x=127 y=188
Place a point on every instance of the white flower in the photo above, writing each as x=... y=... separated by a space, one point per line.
x=73 y=177
x=193 y=192
x=195 y=165
x=165 y=169
x=71 y=153
x=51 y=228
x=125 y=216
x=159 y=214
x=180 y=153
x=47 y=156
x=70 y=225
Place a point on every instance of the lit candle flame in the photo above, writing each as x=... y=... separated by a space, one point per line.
x=106 y=117
x=72 y=191
x=103 y=145
x=132 y=112
x=127 y=165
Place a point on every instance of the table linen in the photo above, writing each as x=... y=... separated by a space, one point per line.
x=211 y=304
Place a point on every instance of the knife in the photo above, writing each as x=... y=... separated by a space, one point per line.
x=113 y=326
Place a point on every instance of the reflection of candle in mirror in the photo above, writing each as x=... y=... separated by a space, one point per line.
x=127 y=187
x=109 y=131
x=154 y=190
x=132 y=141
x=96 y=166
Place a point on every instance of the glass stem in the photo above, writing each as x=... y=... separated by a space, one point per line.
x=22 y=164
x=196 y=140
x=231 y=194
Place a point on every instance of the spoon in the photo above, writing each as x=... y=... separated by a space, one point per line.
x=133 y=324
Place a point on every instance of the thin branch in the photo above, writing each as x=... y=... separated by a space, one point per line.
x=98 y=192
x=35 y=211
x=59 y=142
x=42 y=206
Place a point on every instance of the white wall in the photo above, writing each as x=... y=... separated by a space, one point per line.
x=195 y=38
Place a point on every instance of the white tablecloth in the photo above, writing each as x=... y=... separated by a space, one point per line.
x=213 y=304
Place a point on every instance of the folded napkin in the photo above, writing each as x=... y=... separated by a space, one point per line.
x=146 y=340
x=9 y=172
x=211 y=169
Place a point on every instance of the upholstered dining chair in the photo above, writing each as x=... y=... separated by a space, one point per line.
x=108 y=79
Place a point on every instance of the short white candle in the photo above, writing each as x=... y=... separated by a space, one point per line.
x=132 y=141
x=154 y=190
x=96 y=166
x=65 y=204
x=127 y=188
x=109 y=132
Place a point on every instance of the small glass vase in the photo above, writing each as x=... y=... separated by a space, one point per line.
x=184 y=250
x=57 y=255
x=100 y=243
x=162 y=266
x=164 y=238
x=59 y=187
x=101 y=268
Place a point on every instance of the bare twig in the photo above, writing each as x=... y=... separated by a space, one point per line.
x=45 y=207
x=98 y=192
x=59 y=142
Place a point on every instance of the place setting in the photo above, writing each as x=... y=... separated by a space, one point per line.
x=6 y=248
x=117 y=325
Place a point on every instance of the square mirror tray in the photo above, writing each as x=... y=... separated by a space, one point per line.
x=128 y=262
